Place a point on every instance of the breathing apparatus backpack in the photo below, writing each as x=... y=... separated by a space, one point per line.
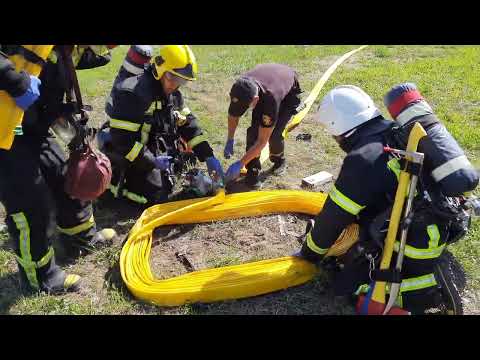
x=446 y=168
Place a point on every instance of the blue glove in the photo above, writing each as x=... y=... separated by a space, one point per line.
x=228 y=151
x=162 y=162
x=233 y=171
x=103 y=137
x=214 y=165
x=30 y=96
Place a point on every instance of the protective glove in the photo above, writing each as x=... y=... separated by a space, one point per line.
x=233 y=171
x=103 y=137
x=228 y=151
x=31 y=95
x=162 y=162
x=214 y=165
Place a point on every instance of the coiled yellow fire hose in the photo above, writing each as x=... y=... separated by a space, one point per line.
x=230 y=282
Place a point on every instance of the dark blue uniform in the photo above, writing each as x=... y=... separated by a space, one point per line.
x=145 y=123
x=364 y=193
x=32 y=172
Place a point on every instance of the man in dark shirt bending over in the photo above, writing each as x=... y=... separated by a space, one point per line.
x=271 y=90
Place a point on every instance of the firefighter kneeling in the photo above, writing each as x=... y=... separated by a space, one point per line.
x=364 y=193
x=148 y=123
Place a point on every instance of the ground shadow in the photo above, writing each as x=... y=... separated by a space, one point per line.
x=10 y=291
x=456 y=271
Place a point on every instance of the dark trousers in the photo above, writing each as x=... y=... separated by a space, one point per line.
x=138 y=185
x=426 y=236
x=31 y=189
x=276 y=141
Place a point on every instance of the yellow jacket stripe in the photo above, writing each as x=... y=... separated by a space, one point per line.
x=129 y=195
x=134 y=197
x=434 y=236
x=420 y=254
x=394 y=165
x=133 y=154
x=145 y=133
x=417 y=283
x=433 y=251
x=46 y=258
x=344 y=202
x=409 y=284
x=124 y=125
x=25 y=260
x=196 y=140
x=79 y=228
x=312 y=246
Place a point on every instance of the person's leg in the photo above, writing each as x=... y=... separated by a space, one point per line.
x=75 y=220
x=277 y=142
x=30 y=217
x=146 y=188
x=420 y=288
x=254 y=166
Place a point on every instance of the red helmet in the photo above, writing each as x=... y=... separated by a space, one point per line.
x=88 y=174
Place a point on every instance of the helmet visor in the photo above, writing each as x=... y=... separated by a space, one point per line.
x=187 y=72
x=176 y=79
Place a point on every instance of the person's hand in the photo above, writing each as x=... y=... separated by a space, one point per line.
x=31 y=95
x=103 y=137
x=162 y=162
x=228 y=150
x=213 y=165
x=233 y=171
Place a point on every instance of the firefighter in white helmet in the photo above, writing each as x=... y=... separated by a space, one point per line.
x=363 y=193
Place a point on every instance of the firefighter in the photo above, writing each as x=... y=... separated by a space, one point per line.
x=136 y=60
x=272 y=91
x=32 y=174
x=148 y=123
x=364 y=193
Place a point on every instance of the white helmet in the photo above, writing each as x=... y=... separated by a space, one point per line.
x=344 y=108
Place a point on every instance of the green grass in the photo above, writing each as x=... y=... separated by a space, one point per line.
x=448 y=77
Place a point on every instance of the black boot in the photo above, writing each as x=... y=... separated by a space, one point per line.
x=252 y=179
x=84 y=243
x=279 y=167
x=49 y=278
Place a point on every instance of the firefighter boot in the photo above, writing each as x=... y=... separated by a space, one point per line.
x=49 y=278
x=75 y=246
x=252 y=179
x=279 y=166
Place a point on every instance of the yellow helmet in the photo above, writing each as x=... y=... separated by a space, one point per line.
x=176 y=59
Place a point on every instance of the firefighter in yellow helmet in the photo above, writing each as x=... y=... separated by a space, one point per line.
x=148 y=124
x=32 y=172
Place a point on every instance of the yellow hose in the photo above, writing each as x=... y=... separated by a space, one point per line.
x=230 y=282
